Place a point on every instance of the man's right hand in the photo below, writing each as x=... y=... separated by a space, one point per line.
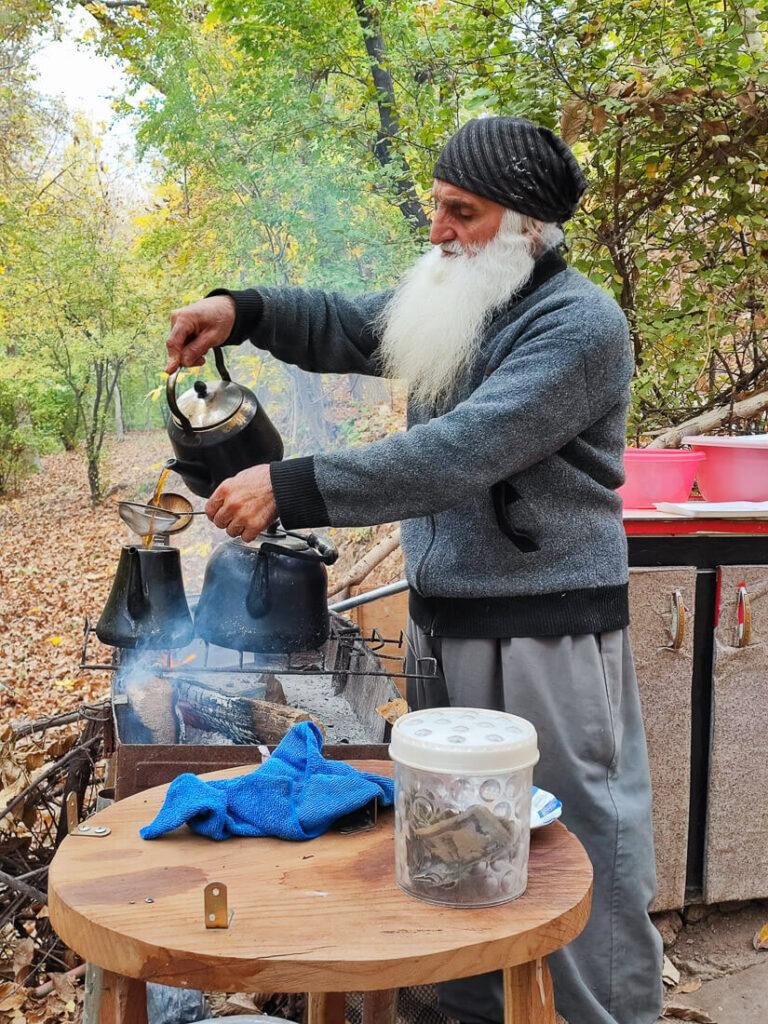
x=197 y=328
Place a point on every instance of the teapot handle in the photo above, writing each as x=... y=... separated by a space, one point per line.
x=257 y=599
x=218 y=355
x=327 y=551
x=170 y=390
x=173 y=405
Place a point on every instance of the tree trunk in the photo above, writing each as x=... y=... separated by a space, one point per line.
x=389 y=122
x=119 y=425
x=94 y=473
x=310 y=408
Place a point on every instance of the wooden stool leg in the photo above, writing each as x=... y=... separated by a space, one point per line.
x=326 y=1007
x=123 y=1000
x=380 y=1007
x=528 y=996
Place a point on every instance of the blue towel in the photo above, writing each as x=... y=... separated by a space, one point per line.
x=295 y=794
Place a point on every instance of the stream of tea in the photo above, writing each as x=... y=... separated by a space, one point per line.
x=148 y=537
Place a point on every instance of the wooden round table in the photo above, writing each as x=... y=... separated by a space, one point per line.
x=323 y=917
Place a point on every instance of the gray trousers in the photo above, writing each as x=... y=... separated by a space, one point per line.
x=581 y=694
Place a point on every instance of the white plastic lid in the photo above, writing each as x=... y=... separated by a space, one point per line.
x=739 y=441
x=468 y=741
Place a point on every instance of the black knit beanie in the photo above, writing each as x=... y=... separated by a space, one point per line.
x=516 y=163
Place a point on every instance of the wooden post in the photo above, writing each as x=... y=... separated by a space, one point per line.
x=123 y=1000
x=326 y=1007
x=528 y=996
x=380 y=1007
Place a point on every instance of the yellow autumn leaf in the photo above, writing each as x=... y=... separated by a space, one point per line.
x=760 y=940
x=651 y=170
x=55 y=640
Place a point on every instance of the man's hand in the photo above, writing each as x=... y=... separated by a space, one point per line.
x=244 y=505
x=198 y=327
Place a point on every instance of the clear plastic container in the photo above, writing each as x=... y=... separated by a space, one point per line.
x=463 y=804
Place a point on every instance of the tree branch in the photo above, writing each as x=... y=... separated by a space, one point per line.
x=746 y=409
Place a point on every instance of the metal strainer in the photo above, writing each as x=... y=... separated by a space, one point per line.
x=172 y=514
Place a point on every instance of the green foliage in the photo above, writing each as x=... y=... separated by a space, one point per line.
x=294 y=143
x=272 y=120
x=15 y=460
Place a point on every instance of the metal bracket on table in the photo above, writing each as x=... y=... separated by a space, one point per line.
x=361 y=820
x=217 y=914
x=73 y=812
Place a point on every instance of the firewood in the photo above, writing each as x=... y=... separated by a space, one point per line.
x=243 y=719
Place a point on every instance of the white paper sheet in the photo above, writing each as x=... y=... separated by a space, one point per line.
x=716 y=509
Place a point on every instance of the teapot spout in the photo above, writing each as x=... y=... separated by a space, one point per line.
x=196 y=477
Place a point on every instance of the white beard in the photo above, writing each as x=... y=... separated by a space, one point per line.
x=433 y=323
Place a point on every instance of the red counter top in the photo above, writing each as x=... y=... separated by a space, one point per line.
x=650 y=523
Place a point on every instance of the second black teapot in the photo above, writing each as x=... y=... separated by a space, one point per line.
x=270 y=596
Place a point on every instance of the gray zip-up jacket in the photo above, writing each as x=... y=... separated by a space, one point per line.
x=511 y=521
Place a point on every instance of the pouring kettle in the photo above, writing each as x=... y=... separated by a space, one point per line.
x=218 y=429
x=147 y=606
x=271 y=596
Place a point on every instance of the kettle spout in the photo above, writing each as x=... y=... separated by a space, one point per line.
x=194 y=476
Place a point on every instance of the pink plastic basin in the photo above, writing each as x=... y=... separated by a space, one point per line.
x=658 y=474
x=734 y=468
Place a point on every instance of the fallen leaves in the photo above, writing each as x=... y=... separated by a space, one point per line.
x=20 y=1006
x=674 y=1011
x=686 y=987
x=393 y=710
x=760 y=940
x=58 y=572
x=23 y=955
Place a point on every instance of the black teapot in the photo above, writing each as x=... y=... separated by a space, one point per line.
x=147 y=606
x=218 y=429
x=270 y=596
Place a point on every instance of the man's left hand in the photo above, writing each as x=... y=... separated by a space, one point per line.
x=243 y=505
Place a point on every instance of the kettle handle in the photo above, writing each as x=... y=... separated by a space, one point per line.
x=218 y=355
x=173 y=405
x=136 y=603
x=326 y=549
x=170 y=390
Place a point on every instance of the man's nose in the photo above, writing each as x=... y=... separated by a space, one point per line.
x=441 y=231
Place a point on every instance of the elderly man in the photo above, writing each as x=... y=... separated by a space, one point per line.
x=518 y=369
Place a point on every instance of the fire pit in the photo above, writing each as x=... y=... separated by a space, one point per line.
x=205 y=707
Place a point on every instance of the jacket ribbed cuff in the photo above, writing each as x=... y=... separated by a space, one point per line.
x=249 y=309
x=298 y=498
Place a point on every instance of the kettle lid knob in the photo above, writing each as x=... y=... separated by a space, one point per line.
x=201 y=388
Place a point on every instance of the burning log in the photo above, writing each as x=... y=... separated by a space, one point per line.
x=244 y=719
